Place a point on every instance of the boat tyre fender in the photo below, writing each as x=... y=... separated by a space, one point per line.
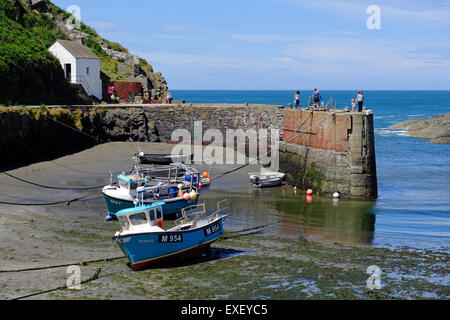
x=159 y=223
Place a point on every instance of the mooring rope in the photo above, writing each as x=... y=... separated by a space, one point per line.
x=50 y=187
x=52 y=161
x=240 y=233
x=98 y=140
x=68 y=202
x=94 y=277
x=257 y=159
x=81 y=263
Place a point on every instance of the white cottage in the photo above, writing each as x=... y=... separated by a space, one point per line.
x=80 y=64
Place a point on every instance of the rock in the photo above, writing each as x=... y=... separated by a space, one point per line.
x=437 y=129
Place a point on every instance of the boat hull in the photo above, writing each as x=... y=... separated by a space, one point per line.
x=171 y=206
x=163 y=159
x=152 y=249
x=268 y=183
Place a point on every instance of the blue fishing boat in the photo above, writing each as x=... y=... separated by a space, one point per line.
x=145 y=242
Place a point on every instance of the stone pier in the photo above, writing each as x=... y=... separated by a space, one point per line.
x=329 y=152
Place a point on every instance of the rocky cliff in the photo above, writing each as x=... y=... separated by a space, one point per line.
x=437 y=129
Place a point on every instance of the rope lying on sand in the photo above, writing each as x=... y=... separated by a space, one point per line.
x=94 y=277
x=52 y=161
x=68 y=202
x=50 y=187
x=81 y=263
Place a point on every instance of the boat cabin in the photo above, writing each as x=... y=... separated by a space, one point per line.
x=142 y=217
x=131 y=182
x=143 y=188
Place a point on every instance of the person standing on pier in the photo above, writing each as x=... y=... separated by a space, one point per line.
x=360 y=101
x=316 y=98
x=169 y=98
x=297 y=99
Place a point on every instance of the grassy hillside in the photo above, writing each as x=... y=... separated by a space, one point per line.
x=29 y=74
x=108 y=65
x=112 y=69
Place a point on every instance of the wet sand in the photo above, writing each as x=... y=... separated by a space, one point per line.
x=283 y=260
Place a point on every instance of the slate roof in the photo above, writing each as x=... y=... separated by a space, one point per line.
x=77 y=50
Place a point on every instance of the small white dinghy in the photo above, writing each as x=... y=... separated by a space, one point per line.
x=267 y=179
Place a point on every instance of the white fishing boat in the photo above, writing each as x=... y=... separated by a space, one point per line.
x=267 y=179
x=177 y=185
x=123 y=196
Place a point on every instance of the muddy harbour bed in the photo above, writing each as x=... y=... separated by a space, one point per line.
x=276 y=245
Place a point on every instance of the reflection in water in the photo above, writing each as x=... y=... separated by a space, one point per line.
x=340 y=221
x=347 y=222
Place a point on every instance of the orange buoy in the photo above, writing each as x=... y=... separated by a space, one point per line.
x=205 y=174
x=180 y=194
x=309 y=192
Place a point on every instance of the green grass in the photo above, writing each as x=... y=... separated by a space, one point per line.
x=28 y=71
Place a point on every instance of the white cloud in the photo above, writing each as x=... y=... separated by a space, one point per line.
x=384 y=53
x=406 y=11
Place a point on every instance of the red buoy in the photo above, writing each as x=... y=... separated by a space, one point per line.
x=310 y=192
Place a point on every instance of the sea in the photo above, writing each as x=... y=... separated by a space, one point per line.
x=413 y=207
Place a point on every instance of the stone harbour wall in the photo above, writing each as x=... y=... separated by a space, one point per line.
x=329 y=152
x=156 y=123
x=325 y=151
x=26 y=129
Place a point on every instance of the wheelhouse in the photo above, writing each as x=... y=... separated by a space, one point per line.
x=131 y=182
x=141 y=216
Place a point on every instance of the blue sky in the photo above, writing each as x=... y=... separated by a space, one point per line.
x=282 y=44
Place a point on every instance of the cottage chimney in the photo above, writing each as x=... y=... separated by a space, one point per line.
x=80 y=40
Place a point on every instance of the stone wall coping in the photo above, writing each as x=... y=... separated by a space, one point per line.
x=202 y=105
x=154 y=106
